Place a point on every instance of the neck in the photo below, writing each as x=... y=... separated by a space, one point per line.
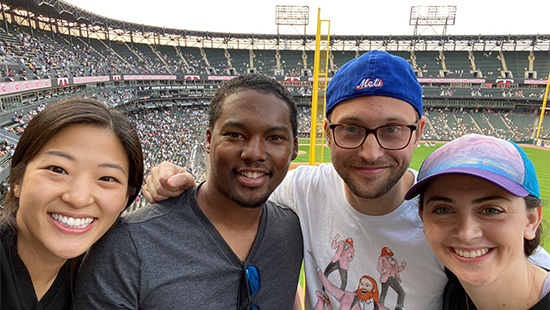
x=238 y=225
x=42 y=268
x=384 y=204
x=523 y=294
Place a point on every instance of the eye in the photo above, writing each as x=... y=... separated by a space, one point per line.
x=391 y=129
x=441 y=210
x=56 y=169
x=234 y=135
x=109 y=179
x=351 y=129
x=277 y=138
x=491 y=211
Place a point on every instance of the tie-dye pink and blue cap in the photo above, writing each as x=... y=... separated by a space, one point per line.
x=495 y=160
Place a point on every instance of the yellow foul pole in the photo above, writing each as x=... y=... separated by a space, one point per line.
x=543 y=108
x=317 y=97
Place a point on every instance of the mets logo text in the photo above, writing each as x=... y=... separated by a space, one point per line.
x=368 y=83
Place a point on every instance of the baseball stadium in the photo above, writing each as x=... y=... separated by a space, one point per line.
x=164 y=78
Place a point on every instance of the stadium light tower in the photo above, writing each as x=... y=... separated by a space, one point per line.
x=292 y=15
x=437 y=15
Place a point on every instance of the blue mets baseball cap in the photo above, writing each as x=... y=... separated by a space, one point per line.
x=494 y=160
x=376 y=73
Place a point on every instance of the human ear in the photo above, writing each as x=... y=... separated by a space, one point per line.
x=328 y=137
x=16 y=188
x=419 y=131
x=208 y=140
x=294 y=149
x=534 y=217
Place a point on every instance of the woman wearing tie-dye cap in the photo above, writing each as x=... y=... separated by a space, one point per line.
x=481 y=208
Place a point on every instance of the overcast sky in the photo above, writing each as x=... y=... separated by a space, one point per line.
x=368 y=17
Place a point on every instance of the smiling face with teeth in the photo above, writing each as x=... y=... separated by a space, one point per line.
x=250 y=147
x=476 y=229
x=71 y=193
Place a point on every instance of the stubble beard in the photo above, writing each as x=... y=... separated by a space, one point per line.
x=255 y=199
x=365 y=187
x=246 y=202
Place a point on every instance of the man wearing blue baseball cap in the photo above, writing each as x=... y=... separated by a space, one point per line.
x=373 y=123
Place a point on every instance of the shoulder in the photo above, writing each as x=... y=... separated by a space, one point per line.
x=277 y=212
x=543 y=304
x=414 y=172
x=410 y=178
x=8 y=278
x=282 y=229
x=159 y=210
x=149 y=226
x=315 y=169
x=454 y=297
x=540 y=257
x=7 y=240
x=282 y=219
x=312 y=174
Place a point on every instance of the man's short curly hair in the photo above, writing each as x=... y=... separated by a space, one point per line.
x=257 y=82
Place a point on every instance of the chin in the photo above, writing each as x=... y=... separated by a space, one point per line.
x=473 y=278
x=70 y=254
x=249 y=202
x=475 y=282
x=69 y=251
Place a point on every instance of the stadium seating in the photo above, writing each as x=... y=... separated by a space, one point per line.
x=171 y=123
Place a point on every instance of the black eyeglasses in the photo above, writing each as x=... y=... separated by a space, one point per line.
x=250 y=285
x=389 y=137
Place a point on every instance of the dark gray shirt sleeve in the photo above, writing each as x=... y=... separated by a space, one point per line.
x=109 y=276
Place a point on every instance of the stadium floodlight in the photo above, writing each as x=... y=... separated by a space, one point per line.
x=435 y=15
x=291 y=15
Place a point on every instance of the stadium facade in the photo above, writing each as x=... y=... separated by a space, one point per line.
x=49 y=49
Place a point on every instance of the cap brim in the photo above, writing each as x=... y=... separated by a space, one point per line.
x=491 y=177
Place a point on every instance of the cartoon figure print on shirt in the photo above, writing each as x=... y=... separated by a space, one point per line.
x=363 y=291
x=390 y=270
x=323 y=301
x=341 y=259
x=366 y=296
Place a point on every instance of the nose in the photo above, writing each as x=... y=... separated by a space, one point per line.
x=254 y=150
x=79 y=192
x=370 y=150
x=467 y=228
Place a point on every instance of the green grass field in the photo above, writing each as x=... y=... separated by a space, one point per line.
x=540 y=158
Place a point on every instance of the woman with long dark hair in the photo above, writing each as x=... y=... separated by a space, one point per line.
x=77 y=166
